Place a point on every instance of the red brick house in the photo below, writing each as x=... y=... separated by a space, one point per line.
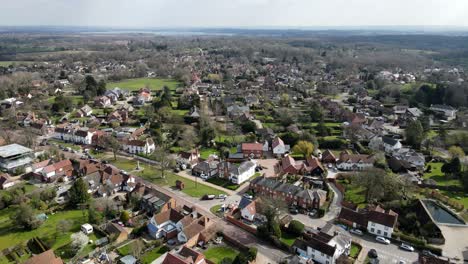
x=252 y=150
x=328 y=157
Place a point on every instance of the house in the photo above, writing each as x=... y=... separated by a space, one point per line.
x=183 y=225
x=375 y=220
x=102 y=102
x=45 y=257
x=323 y=248
x=328 y=157
x=39 y=166
x=41 y=127
x=385 y=143
x=185 y=255
x=380 y=222
x=84 y=111
x=139 y=146
x=278 y=147
x=235 y=111
x=188 y=158
x=354 y=161
x=248 y=210
x=118 y=231
x=153 y=201
x=311 y=166
x=77 y=135
x=291 y=194
x=209 y=168
x=144 y=96
x=252 y=150
x=15 y=157
x=415 y=159
x=6 y=181
x=56 y=170
x=243 y=172
x=449 y=112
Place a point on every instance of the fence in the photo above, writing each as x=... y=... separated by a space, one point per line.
x=240 y=224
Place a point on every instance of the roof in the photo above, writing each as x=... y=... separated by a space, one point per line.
x=389 y=141
x=244 y=202
x=171 y=214
x=114 y=228
x=252 y=146
x=387 y=219
x=252 y=208
x=193 y=229
x=129 y=259
x=276 y=142
x=353 y=216
x=191 y=254
x=355 y=158
x=45 y=257
x=13 y=150
x=243 y=167
x=317 y=244
x=313 y=163
x=328 y=155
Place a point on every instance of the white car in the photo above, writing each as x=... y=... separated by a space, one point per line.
x=356 y=232
x=406 y=247
x=248 y=196
x=222 y=196
x=204 y=177
x=382 y=240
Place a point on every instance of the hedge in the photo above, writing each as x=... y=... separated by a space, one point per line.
x=420 y=244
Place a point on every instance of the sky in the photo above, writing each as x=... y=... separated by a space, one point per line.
x=234 y=13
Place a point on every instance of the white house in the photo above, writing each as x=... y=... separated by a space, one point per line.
x=323 y=248
x=239 y=175
x=83 y=136
x=385 y=143
x=278 y=147
x=381 y=223
x=139 y=146
x=74 y=134
x=449 y=112
x=354 y=162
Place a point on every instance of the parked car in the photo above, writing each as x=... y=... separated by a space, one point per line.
x=343 y=226
x=293 y=211
x=248 y=196
x=428 y=253
x=406 y=247
x=222 y=196
x=372 y=254
x=312 y=213
x=208 y=197
x=382 y=240
x=204 y=177
x=356 y=232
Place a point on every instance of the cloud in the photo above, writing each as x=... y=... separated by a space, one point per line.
x=218 y=13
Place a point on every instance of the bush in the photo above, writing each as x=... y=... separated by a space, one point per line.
x=252 y=254
x=296 y=227
x=332 y=143
x=240 y=259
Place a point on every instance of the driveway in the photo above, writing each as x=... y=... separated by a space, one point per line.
x=456 y=242
x=269 y=164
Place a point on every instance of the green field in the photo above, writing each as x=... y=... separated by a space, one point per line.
x=153 y=174
x=8 y=63
x=153 y=254
x=216 y=254
x=10 y=235
x=353 y=194
x=355 y=249
x=437 y=175
x=136 y=84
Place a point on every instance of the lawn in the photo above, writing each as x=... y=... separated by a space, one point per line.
x=65 y=144
x=437 y=175
x=125 y=250
x=152 y=83
x=217 y=254
x=192 y=188
x=10 y=235
x=153 y=254
x=460 y=197
x=354 y=194
x=355 y=249
x=206 y=152
x=288 y=238
x=223 y=183
x=215 y=210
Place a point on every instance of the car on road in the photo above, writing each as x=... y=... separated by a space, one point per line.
x=406 y=247
x=356 y=232
x=222 y=196
x=382 y=240
x=248 y=196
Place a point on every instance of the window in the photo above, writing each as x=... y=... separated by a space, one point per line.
x=372 y=230
x=372 y=224
x=378 y=232
x=386 y=228
x=327 y=262
x=385 y=234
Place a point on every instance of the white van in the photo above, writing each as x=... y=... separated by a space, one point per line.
x=87 y=229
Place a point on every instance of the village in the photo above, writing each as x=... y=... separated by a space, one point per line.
x=268 y=161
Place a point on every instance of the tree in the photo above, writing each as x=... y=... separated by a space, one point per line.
x=456 y=152
x=112 y=143
x=248 y=127
x=137 y=248
x=453 y=167
x=26 y=218
x=414 y=134
x=304 y=147
x=380 y=186
x=240 y=259
x=78 y=193
x=188 y=139
x=164 y=159
x=252 y=254
x=124 y=216
x=79 y=241
x=296 y=228
x=94 y=216
x=207 y=131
